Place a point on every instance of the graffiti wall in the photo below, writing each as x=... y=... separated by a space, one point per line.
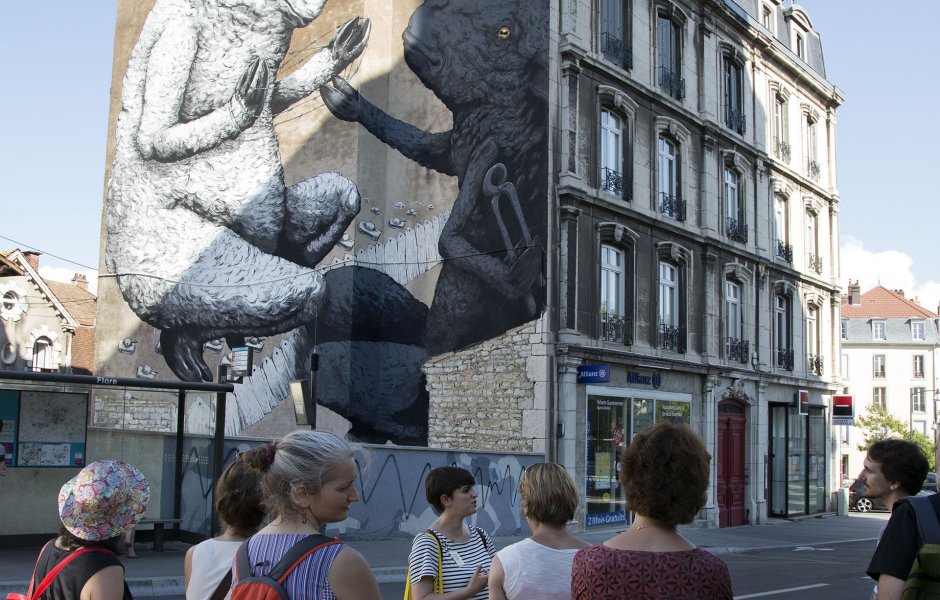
x=362 y=181
x=390 y=484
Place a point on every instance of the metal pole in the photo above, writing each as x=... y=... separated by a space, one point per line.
x=178 y=462
x=314 y=367
x=219 y=440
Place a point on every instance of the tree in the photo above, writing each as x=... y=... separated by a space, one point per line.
x=878 y=424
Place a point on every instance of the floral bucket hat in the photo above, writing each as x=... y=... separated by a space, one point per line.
x=105 y=499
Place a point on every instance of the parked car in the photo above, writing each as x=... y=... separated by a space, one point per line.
x=931 y=484
x=862 y=503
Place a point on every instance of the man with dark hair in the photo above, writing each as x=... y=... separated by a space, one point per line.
x=895 y=469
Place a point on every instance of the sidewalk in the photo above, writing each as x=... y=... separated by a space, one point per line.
x=161 y=573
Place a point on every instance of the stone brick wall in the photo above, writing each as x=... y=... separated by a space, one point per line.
x=491 y=396
x=135 y=411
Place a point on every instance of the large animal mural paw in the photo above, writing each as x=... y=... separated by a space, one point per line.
x=205 y=238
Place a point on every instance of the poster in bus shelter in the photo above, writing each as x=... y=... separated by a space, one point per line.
x=9 y=410
x=51 y=430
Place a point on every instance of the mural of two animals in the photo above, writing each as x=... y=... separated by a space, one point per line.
x=207 y=241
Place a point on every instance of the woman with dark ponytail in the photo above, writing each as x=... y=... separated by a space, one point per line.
x=239 y=504
x=308 y=480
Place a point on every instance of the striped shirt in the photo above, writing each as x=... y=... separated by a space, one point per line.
x=459 y=560
x=308 y=581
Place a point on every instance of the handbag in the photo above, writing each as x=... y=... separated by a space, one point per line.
x=47 y=580
x=439 y=580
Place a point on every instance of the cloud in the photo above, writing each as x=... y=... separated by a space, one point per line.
x=890 y=268
x=65 y=275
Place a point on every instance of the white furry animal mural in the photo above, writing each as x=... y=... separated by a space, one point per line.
x=204 y=237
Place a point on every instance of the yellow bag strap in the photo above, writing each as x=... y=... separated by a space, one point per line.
x=439 y=580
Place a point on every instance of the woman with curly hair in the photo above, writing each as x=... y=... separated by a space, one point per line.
x=664 y=473
x=308 y=480
x=208 y=565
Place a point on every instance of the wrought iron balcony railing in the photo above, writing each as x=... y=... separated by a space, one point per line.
x=672 y=83
x=736 y=230
x=784 y=359
x=785 y=251
x=616 y=51
x=815 y=263
x=672 y=206
x=614 y=183
x=614 y=328
x=812 y=169
x=782 y=150
x=815 y=364
x=735 y=119
x=737 y=350
x=672 y=338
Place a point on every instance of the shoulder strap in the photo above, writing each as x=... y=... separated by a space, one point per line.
x=297 y=553
x=223 y=587
x=439 y=580
x=47 y=580
x=926 y=517
x=242 y=566
x=487 y=542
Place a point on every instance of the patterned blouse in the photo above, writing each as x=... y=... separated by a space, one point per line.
x=603 y=573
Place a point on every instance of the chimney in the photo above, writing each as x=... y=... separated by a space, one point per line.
x=32 y=257
x=855 y=293
x=80 y=281
x=899 y=293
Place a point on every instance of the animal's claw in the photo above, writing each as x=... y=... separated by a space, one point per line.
x=342 y=99
x=351 y=40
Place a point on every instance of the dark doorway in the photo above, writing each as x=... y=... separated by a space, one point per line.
x=730 y=464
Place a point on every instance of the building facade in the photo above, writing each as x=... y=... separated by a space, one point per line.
x=890 y=349
x=698 y=235
x=454 y=217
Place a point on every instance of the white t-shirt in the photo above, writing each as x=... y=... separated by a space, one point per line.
x=532 y=570
x=212 y=559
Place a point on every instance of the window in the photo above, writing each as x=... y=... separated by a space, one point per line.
x=878 y=330
x=812 y=341
x=767 y=18
x=670 y=200
x=918 y=365
x=43 y=355
x=612 y=279
x=612 y=153
x=783 y=351
x=673 y=275
x=917 y=330
x=781 y=143
x=669 y=47
x=812 y=243
x=736 y=347
x=668 y=294
x=10 y=299
x=917 y=399
x=879 y=398
x=735 y=225
x=878 y=366
x=845 y=329
x=812 y=159
x=614 y=25
x=734 y=95
x=800 y=46
x=782 y=226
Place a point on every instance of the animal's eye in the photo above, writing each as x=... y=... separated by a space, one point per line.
x=503 y=32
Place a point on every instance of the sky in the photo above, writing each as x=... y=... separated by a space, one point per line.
x=55 y=117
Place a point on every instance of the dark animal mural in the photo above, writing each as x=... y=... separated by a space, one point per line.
x=207 y=242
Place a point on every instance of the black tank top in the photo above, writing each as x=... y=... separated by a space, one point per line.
x=68 y=584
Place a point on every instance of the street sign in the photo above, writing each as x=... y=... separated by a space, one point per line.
x=843 y=410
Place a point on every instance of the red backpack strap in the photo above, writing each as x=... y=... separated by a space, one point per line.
x=47 y=580
x=297 y=553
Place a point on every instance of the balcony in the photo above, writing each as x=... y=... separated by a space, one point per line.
x=735 y=119
x=784 y=359
x=812 y=169
x=785 y=251
x=782 y=150
x=672 y=338
x=815 y=263
x=737 y=350
x=736 y=230
x=612 y=182
x=815 y=364
x=614 y=328
x=671 y=83
x=672 y=206
x=616 y=51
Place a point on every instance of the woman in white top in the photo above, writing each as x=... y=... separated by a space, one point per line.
x=239 y=505
x=540 y=566
x=465 y=552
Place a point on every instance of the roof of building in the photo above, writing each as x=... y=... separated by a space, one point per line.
x=80 y=303
x=882 y=302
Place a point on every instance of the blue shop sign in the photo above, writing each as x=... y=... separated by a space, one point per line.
x=593 y=373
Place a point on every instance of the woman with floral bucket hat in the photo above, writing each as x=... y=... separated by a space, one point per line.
x=96 y=508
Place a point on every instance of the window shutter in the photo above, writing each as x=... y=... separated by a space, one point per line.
x=662 y=43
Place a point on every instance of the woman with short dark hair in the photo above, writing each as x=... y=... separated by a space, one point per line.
x=450 y=555
x=664 y=472
x=540 y=566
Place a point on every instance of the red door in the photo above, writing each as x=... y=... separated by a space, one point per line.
x=730 y=464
